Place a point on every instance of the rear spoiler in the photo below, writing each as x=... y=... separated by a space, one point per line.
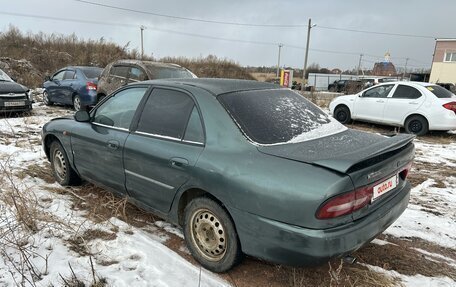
x=348 y=161
x=341 y=152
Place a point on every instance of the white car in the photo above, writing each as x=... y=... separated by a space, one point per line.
x=418 y=107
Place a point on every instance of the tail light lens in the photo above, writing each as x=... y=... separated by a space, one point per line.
x=91 y=86
x=348 y=203
x=450 y=106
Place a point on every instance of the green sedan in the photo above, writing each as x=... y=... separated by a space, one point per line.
x=244 y=167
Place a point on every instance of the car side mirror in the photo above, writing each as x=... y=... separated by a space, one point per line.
x=47 y=78
x=82 y=116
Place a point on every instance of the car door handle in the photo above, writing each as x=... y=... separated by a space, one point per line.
x=380 y=101
x=413 y=103
x=178 y=162
x=113 y=144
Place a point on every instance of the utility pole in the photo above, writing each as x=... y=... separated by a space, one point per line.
x=405 y=68
x=359 y=64
x=142 y=41
x=304 y=82
x=278 y=61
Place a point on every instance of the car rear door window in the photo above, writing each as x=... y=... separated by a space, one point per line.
x=120 y=71
x=194 y=132
x=378 y=92
x=137 y=74
x=69 y=75
x=119 y=109
x=166 y=113
x=406 y=92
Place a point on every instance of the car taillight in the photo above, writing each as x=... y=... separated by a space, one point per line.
x=405 y=172
x=346 y=203
x=91 y=86
x=450 y=106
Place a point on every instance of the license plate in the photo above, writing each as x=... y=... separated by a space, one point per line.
x=14 y=104
x=384 y=187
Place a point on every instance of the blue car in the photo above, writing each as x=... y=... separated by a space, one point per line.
x=75 y=85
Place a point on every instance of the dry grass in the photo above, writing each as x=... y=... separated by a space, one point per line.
x=211 y=67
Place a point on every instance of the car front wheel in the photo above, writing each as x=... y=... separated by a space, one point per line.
x=61 y=168
x=342 y=114
x=46 y=100
x=211 y=236
x=416 y=125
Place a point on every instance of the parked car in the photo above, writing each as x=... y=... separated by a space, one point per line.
x=14 y=97
x=418 y=107
x=123 y=72
x=342 y=86
x=75 y=85
x=200 y=153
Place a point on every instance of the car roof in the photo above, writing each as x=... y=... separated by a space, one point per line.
x=423 y=84
x=81 y=67
x=146 y=63
x=217 y=86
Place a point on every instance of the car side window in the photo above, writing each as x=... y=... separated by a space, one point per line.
x=378 y=92
x=58 y=76
x=194 y=132
x=406 y=92
x=166 y=113
x=137 y=74
x=119 y=109
x=69 y=75
x=120 y=71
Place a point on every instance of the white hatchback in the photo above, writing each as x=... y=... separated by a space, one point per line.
x=418 y=107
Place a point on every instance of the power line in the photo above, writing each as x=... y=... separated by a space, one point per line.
x=188 y=18
x=250 y=24
x=187 y=34
x=377 y=32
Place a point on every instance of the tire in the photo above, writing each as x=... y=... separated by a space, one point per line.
x=77 y=103
x=46 y=100
x=416 y=125
x=61 y=168
x=342 y=114
x=211 y=236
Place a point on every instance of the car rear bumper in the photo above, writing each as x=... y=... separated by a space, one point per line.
x=282 y=243
x=89 y=99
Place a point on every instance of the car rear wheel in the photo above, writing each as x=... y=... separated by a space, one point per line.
x=417 y=125
x=61 y=168
x=46 y=100
x=342 y=114
x=211 y=236
x=76 y=103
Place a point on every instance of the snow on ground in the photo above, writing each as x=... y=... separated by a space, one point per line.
x=130 y=257
x=137 y=256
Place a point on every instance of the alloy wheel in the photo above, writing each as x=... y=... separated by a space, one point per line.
x=77 y=103
x=415 y=126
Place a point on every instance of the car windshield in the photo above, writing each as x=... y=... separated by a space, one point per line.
x=170 y=73
x=92 y=73
x=440 y=92
x=4 y=77
x=270 y=117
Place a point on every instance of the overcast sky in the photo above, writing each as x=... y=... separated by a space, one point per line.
x=418 y=17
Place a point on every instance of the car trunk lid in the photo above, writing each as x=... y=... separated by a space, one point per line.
x=368 y=159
